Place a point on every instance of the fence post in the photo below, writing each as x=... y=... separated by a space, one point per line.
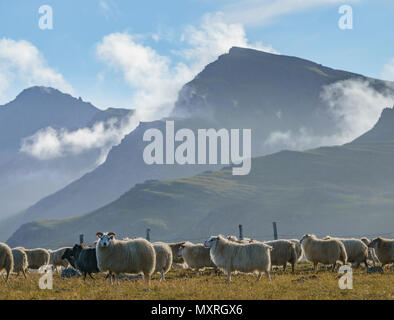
x=148 y=234
x=275 y=231
x=241 y=234
x=81 y=239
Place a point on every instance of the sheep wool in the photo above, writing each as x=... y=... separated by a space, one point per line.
x=20 y=261
x=125 y=256
x=163 y=258
x=6 y=259
x=231 y=256
x=324 y=251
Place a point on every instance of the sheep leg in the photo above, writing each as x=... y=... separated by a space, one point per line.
x=84 y=276
x=24 y=273
x=161 y=275
x=228 y=277
x=90 y=275
x=147 y=279
x=268 y=275
x=315 y=267
x=117 y=278
x=292 y=267
x=284 y=267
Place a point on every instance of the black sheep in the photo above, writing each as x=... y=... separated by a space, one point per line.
x=84 y=259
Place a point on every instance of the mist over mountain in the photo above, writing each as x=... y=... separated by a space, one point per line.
x=288 y=102
x=24 y=179
x=345 y=189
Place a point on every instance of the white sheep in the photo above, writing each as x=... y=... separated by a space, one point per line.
x=55 y=258
x=125 y=256
x=231 y=256
x=356 y=250
x=323 y=251
x=20 y=261
x=6 y=259
x=283 y=251
x=384 y=249
x=197 y=256
x=163 y=258
x=36 y=258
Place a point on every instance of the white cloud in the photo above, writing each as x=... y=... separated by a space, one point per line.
x=388 y=71
x=49 y=143
x=154 y=78
x=261 y=12
x=354 y=105
x=20 y=61
x=214 y=37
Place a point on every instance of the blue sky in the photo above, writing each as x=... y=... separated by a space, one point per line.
x=76 y=55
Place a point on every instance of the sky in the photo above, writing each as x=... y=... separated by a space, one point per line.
x=138 y=54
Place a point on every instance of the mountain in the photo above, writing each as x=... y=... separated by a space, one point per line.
x=34 y=109
x=244 y=88
x=266 y=92
x=341 y=190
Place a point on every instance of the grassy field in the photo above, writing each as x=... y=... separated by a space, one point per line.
x=184 y=284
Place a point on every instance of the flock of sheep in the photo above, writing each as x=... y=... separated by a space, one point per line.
x=229 y=254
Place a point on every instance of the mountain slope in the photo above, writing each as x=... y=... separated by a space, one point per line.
x=34 y=109
x=242 y=89
x=341 y=190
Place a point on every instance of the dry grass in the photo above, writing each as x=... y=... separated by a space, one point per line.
x=184 y=284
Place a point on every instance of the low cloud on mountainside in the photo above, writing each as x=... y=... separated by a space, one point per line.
x=154 y=79
x=354 y=104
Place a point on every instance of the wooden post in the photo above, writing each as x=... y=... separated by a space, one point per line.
x=241 y=234
x=275 y=231
x=81 y=239
x=148 y=234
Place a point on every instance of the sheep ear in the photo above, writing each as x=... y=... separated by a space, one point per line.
x=112 y=234
x=99 y=234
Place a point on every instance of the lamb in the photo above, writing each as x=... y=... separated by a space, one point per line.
x=356 y=250
x=323 y=251
x=371 y=252
x=6 y=259
x=163 y=258
x=125 y=256
x=36 y=258
x=230 y=256
x=84 y=259
x=196 y=256
x=20 y=261
x=283 y=251
x=384 y=249
x=56 y=258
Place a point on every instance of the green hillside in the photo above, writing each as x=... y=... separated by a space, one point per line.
x=342 y=190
